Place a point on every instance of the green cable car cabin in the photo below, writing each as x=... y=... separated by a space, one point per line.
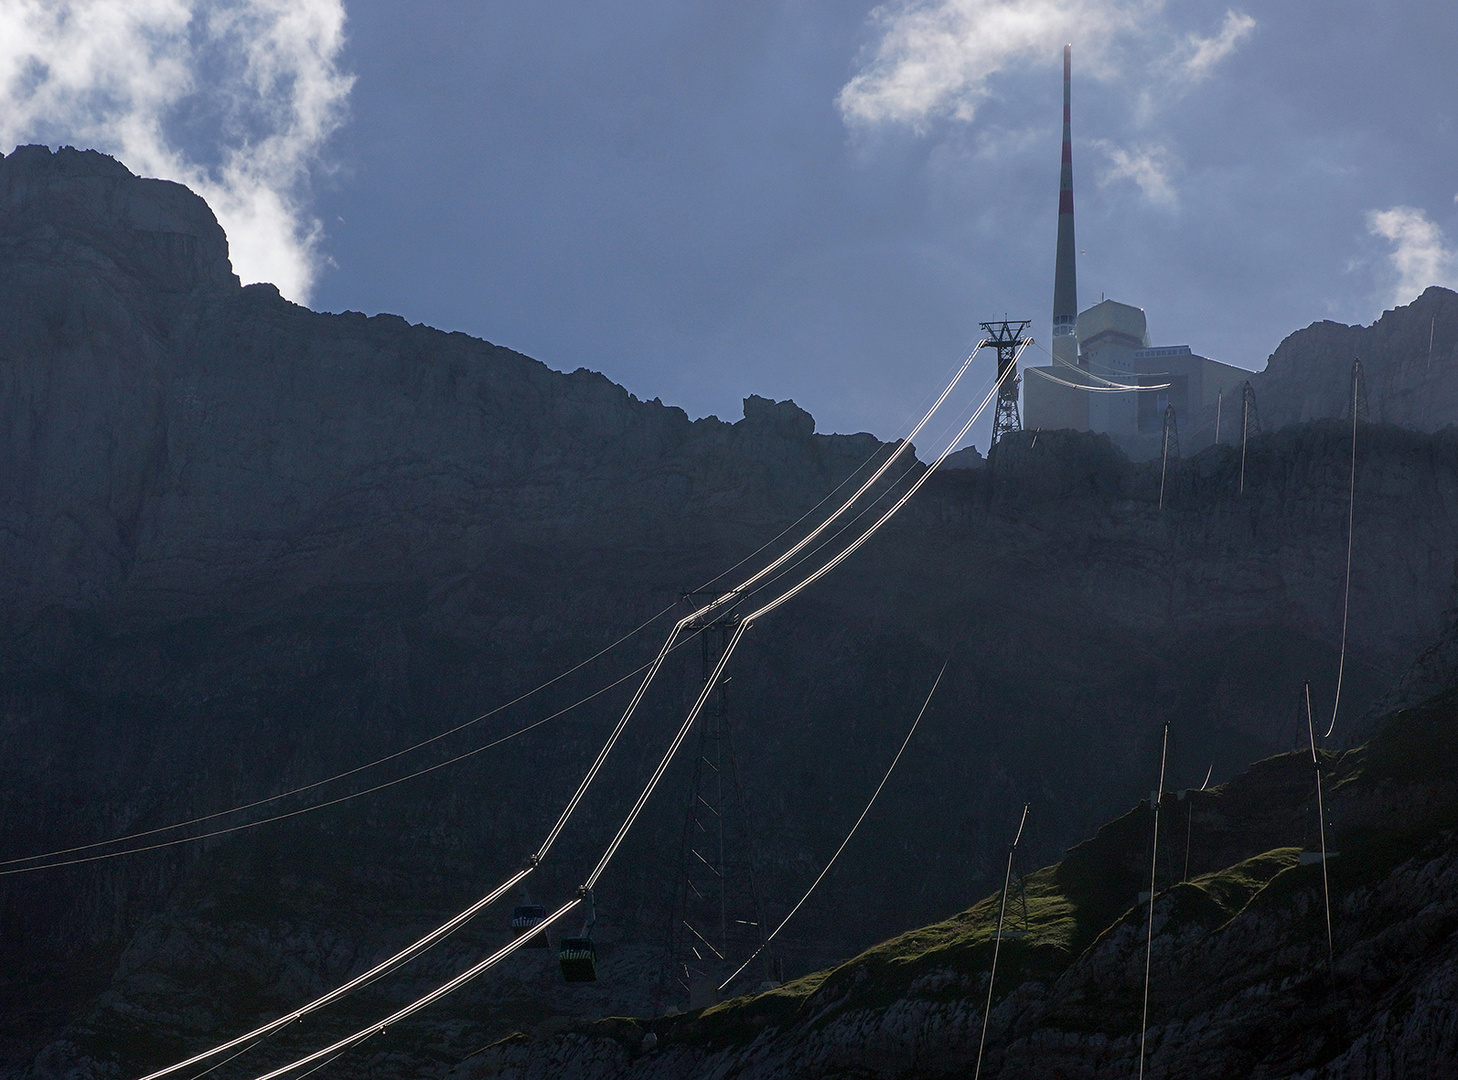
x=578 y=957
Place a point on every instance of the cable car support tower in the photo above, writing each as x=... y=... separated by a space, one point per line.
x=1007 y=338
x=718 y=913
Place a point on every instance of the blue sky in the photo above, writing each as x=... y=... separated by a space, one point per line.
x=815 y=200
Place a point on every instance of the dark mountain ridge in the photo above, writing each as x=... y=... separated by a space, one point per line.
x=244 y=545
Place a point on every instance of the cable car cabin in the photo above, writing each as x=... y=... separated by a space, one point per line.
x=524 y=919
x=579 y=959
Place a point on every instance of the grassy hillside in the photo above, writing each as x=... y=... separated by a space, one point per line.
x=1240 y=974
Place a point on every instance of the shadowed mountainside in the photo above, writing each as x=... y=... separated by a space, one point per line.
x=244 y=545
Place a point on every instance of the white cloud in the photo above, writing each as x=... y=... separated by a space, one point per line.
x=261 y=77
x=1206 y=52
x=935 y=57
x=1148 y=167
x=1420 y=254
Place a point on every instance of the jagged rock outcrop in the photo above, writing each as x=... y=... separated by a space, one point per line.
x=244 y=545
x=81 y=208
x=1409 y=357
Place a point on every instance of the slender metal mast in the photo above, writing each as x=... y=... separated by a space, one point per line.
x=1065 y=276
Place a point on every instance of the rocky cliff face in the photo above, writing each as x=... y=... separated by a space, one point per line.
x=1409 y=357
x=244 y=546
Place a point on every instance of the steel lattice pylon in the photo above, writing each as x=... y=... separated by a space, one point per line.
x=1171 y=439
x=1007 y=338
x=717 y=920
x=1007 y=417
x=1250 y=422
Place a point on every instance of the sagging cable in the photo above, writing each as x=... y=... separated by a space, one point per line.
x=228 y=830
x=336 y=1048
x=379 y=970
x=1321 y=827
x=337 y=776
x=1149 y=936
x=997 y=941
x=673 y=748
x=872 y=802
x=434 y=738
x=1111 y=388
x=1347 y=588
x=896 y=506
x=671 y=642
x=1089 y=373
x=490 y=961
x=734 y=594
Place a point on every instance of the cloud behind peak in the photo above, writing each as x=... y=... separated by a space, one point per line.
x=936 y=58
x=235 y=98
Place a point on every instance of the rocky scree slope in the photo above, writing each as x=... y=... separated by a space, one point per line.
x=1240 y=983
x=244 y=545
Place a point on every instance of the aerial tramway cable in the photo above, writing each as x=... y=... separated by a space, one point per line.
x=749 y=620
x=337 y=1048
x=652 y=670
x=340 y=799
x=1111 y=388
x=337 y=776
x=997 y=940
x=1108 y=386
x=1073 y=367
x=142 y=834
x=891 y=511
x=736 y=593
x=668 y=756
x=429 y=940
x=1321 y=827
x=1153 y=866
x=585 y=890
x=798 y=521
x=868 y=508
x=872 y=802
x=611 y=850
x=1347 y=588
x=402 y=957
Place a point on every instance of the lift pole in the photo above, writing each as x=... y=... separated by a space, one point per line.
x=1250 y=424
x=1171 y=447
x=1360 y=409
